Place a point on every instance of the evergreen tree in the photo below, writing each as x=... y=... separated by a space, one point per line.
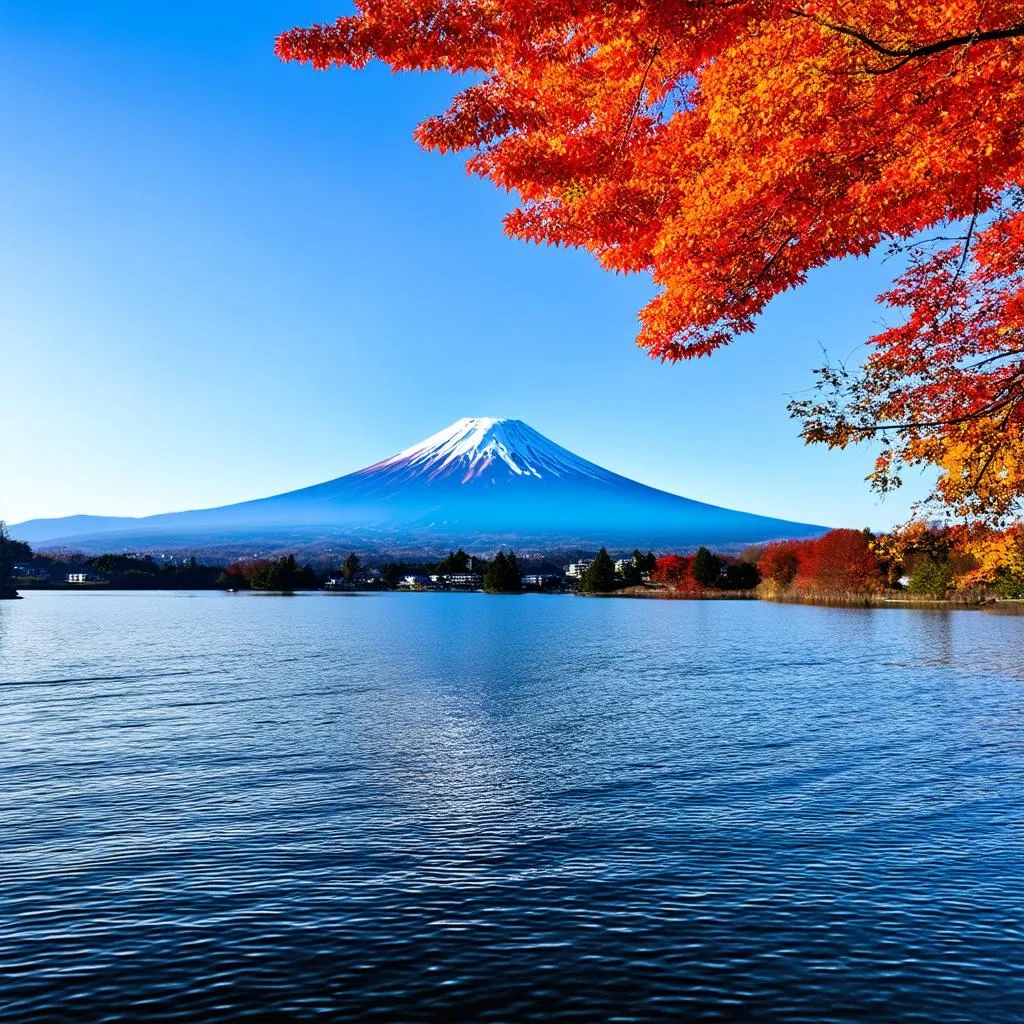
x=630 y=572
x=739 y=576
x=706 y=568
x=233 y=578
x=457 y=561
x=932 y=578
x=643 y=563
x=265 y=576
x=513 y=574
x=289 y=572
x=1009 y=584
x=503 y=575
x=282 y=574
x=350 y=566
x=391 y=574
x=599 y=577
x=495 y=575
x=307 y=578
x=7 y=589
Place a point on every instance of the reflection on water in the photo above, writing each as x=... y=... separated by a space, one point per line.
x=415 y=807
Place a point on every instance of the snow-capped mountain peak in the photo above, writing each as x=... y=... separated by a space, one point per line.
x=478 y=446
x=480 y=481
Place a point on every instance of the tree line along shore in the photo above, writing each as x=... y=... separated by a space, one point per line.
x=921 y=562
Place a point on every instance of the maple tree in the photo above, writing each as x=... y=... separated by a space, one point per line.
x=676 y=573
x=975 y=555
x=998 y=557
x=945 y=387
x=697 y=573
x=839 y=562
x=728 y=147
x=779 y=563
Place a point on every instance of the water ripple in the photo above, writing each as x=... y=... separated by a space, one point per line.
x=454 y=807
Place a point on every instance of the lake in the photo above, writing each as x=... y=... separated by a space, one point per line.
x=456 y=806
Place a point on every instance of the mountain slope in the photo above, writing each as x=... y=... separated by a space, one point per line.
x=479 y=481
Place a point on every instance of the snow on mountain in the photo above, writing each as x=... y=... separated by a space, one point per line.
x=474 y=447
x=480 y=482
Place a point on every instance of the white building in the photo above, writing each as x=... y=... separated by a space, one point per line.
x=539 y=579
x=463 y=579
x=415 y=581
x=458 y=580
x=624 y=565
x=78 y=577
x=338 y=583
x=577 y=569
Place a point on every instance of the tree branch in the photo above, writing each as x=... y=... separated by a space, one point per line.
x=986 y=410
x=912 y=52
x=639 y=99
x=995 y=447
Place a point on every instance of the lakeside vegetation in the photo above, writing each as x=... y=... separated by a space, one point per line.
x=8 y=550
x=29 y=569
x=269 y=574
x=920 y=562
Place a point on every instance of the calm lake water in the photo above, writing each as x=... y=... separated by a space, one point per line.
x=412 y=807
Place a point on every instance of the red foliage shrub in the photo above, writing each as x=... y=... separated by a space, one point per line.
x=842 y=561
x=237 y=575
x=779 y=562
x=676 y=572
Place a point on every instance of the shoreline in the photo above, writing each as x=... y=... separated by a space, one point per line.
x=994 y=606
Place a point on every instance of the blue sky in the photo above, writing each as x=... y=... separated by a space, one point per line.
x=222 y=277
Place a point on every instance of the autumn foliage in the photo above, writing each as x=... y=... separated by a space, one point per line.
x=695 y=574
x=779 y=563
x=972 y=557
x=730 y=148
x=676 y=573
x=926 y=559
x=269 y=574
x=838 y=563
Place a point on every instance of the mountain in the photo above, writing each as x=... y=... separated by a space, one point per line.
x=477 y=482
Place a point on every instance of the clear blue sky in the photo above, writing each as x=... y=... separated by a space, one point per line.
x=222 y=277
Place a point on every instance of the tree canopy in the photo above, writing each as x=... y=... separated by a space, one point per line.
x=457 y=561
x=7 y=555
x=282 y=574
x=706 y=567
x=599 y=576
x=728 y=148
x=503 y=575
